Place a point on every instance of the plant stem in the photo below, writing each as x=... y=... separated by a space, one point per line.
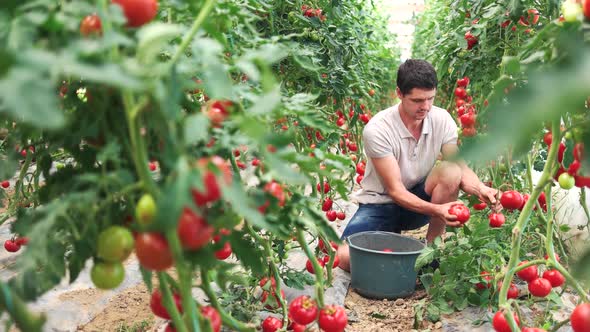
x=170 y=304
x=318 y=270
x=207 y=7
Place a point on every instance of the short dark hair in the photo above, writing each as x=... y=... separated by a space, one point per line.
x=416 y=74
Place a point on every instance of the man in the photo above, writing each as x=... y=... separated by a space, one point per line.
x=402 y=188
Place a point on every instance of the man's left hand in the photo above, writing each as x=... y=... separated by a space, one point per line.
x=491 y=196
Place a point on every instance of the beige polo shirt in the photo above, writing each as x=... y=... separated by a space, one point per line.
x=387 y=135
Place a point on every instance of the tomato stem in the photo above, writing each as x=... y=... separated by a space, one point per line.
x=318 y=270
x=17 y=309
x=185 y=277
x=188 y=37
x=170 y=304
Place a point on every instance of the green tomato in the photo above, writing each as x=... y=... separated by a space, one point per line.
x=568 y=135
x=571 y=11
x=115 y=244
x=107 y=275
x=145 y=209
x=566 y=181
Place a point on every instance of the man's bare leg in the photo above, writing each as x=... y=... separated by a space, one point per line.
x=442 y=185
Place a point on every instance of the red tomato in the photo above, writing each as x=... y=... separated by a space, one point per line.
x=460 y=102
x=512 y=291
x=359 y=179
x=540 y=287
x=460 y=93
x=153 y=252
x=580 y=317
x=138 y=12
x=469 y=131
x=303 y=310
x=463 y=82
x=365 y=119
x=91 y=25
x=511 y=200
x=22 y=241
x=326 y=260
x=461 y=211
x=371 y=92
x=224 y=252
x=480 y=206
x=529 y=274
x=333 y=318
x=360 y=168
x=542 y=200
x=387 y=250
x=296 y=327
x=271 y=324
x=352 y=147
x=157 y=305
x=532 y=329
x=471 y=40
x=326 y=187
x=555 y=277
x=327 y=205
x=574 y=167
x=548 y=138
x=11 y=246
x=5 y=184
x=586 y=9
x=501 y=324
x=331 y=215
x=212 y=190
x=309 y=265
x=487 y=278
x=467 y=119
x=264 y=281
x=194 y=232
x=212 y=315
x=496 y=220
x=322 y=246
x=341 y=215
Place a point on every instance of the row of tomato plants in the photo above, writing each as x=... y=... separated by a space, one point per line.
x=145 y=118
x=519 y=46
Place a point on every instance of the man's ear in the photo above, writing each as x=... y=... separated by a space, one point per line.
x=399 y=93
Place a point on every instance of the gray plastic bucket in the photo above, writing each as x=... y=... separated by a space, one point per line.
x=383 y=275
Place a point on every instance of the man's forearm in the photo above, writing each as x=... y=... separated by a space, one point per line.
x=470 y=182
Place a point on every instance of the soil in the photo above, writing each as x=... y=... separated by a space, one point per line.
x=128 y=311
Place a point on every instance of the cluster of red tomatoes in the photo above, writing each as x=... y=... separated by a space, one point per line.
x=308 y=11
x=303 y=311
x=531 y=19
x=324 y=257
x=539 y=287
x=465 y=110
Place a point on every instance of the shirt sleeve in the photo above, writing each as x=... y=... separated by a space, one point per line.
x=376 y=143
x=450 y=134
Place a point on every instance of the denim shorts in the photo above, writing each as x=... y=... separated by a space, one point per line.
x=388 y=217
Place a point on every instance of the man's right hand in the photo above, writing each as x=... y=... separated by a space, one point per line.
x=442 y=211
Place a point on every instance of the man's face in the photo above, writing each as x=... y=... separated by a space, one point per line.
x=417 y=103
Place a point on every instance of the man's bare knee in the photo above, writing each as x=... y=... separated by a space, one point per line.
x=344 y=257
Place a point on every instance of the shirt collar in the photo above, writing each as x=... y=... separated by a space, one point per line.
x=406 y=132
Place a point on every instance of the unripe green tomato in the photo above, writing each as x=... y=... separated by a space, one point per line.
x=145 y=210
x=292 y=16
x=115 y=244
x=502 y=168
x=568 y=135
x=59 y=165
x=566 y=181
x=107 y=275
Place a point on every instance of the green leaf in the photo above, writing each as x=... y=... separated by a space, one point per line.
x=196 y=128
x=15 y=99
x=282 y=171
x=153 y=39
x=425 y=257
x=266 y=103
x=146 y=275
x=242 y=204
x=217 y=82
